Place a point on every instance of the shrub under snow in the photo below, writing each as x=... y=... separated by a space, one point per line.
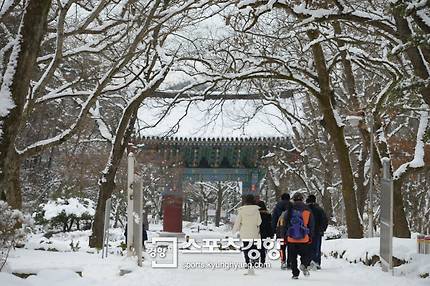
x=66 y=213
x=10 y=235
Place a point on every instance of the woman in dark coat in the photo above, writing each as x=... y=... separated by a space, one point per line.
x=266 y=230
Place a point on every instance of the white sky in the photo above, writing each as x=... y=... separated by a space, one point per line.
x=213 y=119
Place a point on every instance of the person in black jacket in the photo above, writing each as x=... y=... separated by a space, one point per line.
x=321 y=223
x=266 y=230
x=280 y=207
x=144 y=235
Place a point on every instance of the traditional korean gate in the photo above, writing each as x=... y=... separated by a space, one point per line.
x=209 y=159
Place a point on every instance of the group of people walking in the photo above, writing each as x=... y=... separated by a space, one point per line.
x=299 y=224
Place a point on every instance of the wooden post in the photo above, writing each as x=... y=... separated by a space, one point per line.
x=371 y=172
x=386 y=217
x=130 y=181
x=105 y=248
x=138 y=219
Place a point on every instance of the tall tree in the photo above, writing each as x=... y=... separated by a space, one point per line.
x=15 y=88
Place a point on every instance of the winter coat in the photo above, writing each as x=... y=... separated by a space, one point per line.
x=144 y=233
x=248 y=222
x=307 y=218
x=279 y=208
x=320 y=218
x=266 y=230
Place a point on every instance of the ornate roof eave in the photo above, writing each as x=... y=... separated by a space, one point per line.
x=239 y=141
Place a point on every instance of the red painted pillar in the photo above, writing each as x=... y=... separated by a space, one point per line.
x=250 y=187
x=255 y=193
x=172 y=211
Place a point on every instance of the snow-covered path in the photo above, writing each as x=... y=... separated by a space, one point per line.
x=106 y=272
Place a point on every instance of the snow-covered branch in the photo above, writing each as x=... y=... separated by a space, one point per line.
x=418 y=160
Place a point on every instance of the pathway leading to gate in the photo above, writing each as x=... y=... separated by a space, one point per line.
x=104 y=272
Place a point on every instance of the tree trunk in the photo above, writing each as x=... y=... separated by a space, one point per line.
x=72 y=220
x=337 y=137
x=107 y=185
x=354 y=226
x=116 y=220
x=11 y=183
x=201 y=212
x=401 y=227
x=276 y=188
x=361 y=186
x=122 y=138
x=218 y=205
x=350 y=86
x=185 y=216
x=145 y=219
x=21 y=67
x=326 y=196
x=206 y=213
x=107 y=180
x=327 y=205
x=412 y=51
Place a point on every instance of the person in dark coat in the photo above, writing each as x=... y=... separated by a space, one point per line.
x=266 y=230
x=300 y=228
x=144 y=235
x=279 y=208
x=321 y=223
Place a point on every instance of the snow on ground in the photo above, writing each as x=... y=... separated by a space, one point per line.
x=360 y=250
x=59 y=241
x=354 y=250
x=62 y=241
x=53 y=268
x=97 y=271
